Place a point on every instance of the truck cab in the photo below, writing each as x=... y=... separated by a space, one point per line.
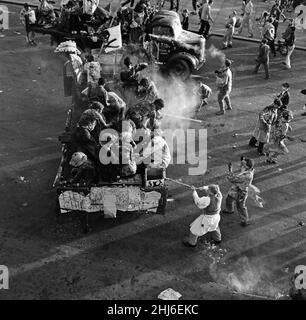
x=180 y=51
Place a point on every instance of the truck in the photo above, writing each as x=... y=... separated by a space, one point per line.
x=144 y=192
x=178 y=51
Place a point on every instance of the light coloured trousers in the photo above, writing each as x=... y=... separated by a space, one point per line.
x=228 y=37
x=287 y=59
x=247 y=20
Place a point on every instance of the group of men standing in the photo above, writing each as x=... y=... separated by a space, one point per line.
x=269 y=33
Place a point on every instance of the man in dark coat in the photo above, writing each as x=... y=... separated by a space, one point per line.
x=263 y=57
x=82 y=139
x=284 y=96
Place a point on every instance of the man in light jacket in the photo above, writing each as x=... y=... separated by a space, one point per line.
x=238 y=193
x=208 y=221
x=247 y=18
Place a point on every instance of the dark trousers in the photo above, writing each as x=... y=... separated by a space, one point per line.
x=194 y=5
x=266 y=66
x=204 y=29
x=275 y=24
x=272 y=46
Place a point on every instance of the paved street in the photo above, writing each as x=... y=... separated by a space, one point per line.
x=138 y=256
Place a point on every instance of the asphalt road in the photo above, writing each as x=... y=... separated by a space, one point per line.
x=137 y=256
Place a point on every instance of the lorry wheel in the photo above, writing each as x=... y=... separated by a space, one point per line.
x=180 y=68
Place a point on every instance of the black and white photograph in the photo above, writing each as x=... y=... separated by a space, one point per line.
x=153 y=153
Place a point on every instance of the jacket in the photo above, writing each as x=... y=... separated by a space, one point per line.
x=241 y=180
x=84 y=142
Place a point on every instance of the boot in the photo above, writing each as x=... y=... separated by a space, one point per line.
x=252 y=142
x=260 y=148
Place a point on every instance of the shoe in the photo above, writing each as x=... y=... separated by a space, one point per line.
x=230 y=46
x=187 y=244
x=227 y=212
x=220 y=113
x=245 y=223
x=229 y=108
x=224 y=48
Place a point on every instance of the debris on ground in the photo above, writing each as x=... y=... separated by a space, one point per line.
x=301 y=223
x=169 y=294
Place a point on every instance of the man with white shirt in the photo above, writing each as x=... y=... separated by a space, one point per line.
x=206 y=18
x=230 y=29
x=208 y=221
x=247 y=18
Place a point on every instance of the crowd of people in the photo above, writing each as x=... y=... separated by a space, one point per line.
x=270 y=23
x=109 y=130
x=269 y=138
x=94 y=157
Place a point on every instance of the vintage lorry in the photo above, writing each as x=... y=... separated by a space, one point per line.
x=178 y=51
x=145 y=191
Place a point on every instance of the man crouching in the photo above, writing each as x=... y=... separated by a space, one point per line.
x=208 y=221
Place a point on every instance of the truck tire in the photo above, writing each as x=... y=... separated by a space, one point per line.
x=179 y=68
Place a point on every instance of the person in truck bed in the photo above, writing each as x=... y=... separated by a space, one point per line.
x=95 y=110
x=83 y=170
x=130 y=77
x=147 y=90
x=83 y=140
